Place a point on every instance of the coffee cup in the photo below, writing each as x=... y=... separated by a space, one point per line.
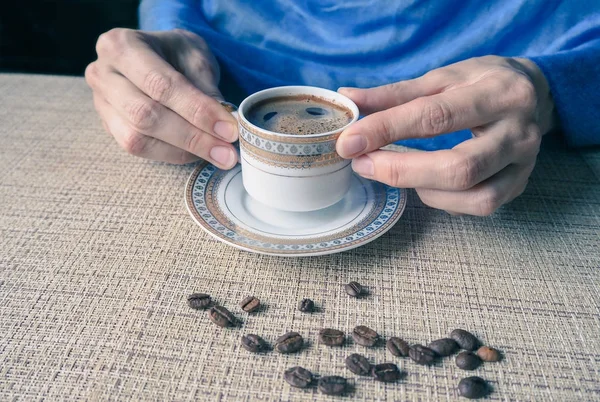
x=287 y=147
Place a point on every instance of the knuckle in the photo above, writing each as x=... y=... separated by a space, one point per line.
x=200 y=113
x=112 y=40
x=91 y=74
x=142 y=114
x=436 y=117
x=522 y=93
x=491 y=200
x=464 y=173
x=159 y=86
x=194 y=142
x=134 y=143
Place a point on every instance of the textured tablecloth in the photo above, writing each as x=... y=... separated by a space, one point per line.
x=98 y=255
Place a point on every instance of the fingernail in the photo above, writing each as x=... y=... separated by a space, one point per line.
x=352 y=145
x=225 y=130
x=223 y=156
x=363 y=165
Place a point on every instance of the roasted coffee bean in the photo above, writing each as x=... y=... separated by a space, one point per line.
x=444 y=346
x=298 y=377
x=254 y=343
x=364 y=336
x=397 y=346
x=422 y=355
x=199 y=301
x=473 y=387
x=331 y=337
x=465 y=339
x=467 y=361
x=222 y=317
x=250 y=304
x=386 y=372
x=289 y=343
x=358 y=364
x=333 y=385
x=488 y=354
x=354 y=289
x=307 y=306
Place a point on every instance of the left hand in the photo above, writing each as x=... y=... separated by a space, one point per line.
x=505 y=102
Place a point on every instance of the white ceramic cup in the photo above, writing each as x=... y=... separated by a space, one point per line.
x=293 y=172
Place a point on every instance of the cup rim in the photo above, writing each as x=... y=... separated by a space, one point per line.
x=291 y=90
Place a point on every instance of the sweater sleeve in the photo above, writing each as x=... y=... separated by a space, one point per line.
x=163 y=15
x=574 y=79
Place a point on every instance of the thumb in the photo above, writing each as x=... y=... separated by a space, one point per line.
x=376 y=99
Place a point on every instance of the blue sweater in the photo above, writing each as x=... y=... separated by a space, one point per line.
x=364 y=43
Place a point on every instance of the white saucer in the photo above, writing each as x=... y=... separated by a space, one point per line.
x=218 y=202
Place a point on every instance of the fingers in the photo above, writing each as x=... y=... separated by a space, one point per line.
x=147 y=117
x=136 y=143
x=140 y=64
x=454 y=110
x=483 y=199
x=456 y=169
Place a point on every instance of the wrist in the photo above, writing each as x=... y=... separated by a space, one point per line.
x=546 y=111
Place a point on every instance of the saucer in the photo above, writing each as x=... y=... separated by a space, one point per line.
x=218 y=202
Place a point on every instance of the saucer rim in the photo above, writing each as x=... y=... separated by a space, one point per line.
x=217 y=236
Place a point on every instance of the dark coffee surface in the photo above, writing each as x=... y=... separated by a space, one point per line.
x=300 y=115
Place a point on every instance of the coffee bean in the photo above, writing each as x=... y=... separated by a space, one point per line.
x=333 y=385
x=358 y=364
x=250 y=304
x=199 y=301
x=473 y=387
x=331 y=337
x=298 y=377
x=422 y=355
x=222 y=317
x=488 y=354
x=254 y=343
x=397 y=346
x=354 y=289
x=306 y=306
x=386 y=372
x=467 y=361
x=465 y=339
x=364 y=336
x=289 y=343
x=444 y=346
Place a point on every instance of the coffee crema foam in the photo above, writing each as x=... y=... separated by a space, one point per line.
x=299 y=115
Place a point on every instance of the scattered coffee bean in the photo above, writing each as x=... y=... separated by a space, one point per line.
x=298 y=377
x=250 y=304
x=364 y=336
x=422 y=355
x=333 y=385
x=331 y=337
x=254 y=343
x=199 y=301
x=358 y=364
x=465 y=339
x=467 y=361
x=354 y=289
x=444 y=346
x=397 y=346
x=307 y=306
x=473 y=387
x=289 y=343
x=222 y=317
x=386 y=372
x=488 y=354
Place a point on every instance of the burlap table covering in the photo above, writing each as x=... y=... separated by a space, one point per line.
x=98 y=255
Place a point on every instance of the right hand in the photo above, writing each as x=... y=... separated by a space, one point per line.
x=157 y=94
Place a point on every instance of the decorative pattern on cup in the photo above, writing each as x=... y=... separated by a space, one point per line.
x=287 y=152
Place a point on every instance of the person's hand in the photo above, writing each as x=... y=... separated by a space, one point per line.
x=505 y=102
x=157 y=94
